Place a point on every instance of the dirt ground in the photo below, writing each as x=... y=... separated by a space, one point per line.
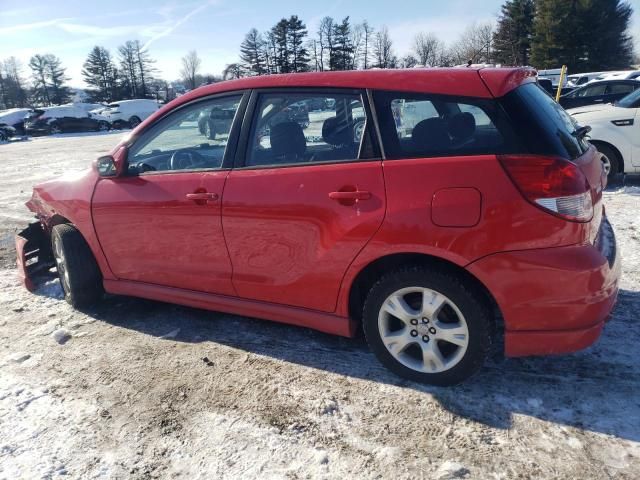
x=140 y=389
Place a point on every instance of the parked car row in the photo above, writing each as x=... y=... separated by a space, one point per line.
x=75 y=117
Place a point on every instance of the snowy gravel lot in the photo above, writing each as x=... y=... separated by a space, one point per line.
x=140 y=389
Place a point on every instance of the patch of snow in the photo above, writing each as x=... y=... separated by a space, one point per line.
x=450 y=470
x=171 y=334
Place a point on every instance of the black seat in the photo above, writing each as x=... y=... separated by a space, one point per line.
x=288 y=144
x=430 y=136
x=338 y=134
x=462 y=128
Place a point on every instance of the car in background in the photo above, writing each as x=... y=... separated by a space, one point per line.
x=6 y=132
x=604 y=91
x=624 y=75
x=14 y=117
x=580 y=79
x=61 y=119
x=129 y=113
x=484 y=217
x=216 y=121
x=615 y=132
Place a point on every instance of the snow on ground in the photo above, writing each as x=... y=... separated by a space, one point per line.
x=140 y=389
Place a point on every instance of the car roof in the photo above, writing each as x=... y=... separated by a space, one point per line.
x=475 y=82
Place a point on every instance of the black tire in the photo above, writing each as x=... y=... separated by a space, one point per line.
x=3 y=136
x=614 y=160
x=134 y=121
x=470 y=303
x=54 y=128
x=103 y=126
x=82 y=285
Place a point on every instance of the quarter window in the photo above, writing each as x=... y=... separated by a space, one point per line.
x=192 y=138
x=619 y=88
x=290 y=128
x=417 y=125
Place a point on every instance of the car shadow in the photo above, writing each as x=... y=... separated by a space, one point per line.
x=594 y=390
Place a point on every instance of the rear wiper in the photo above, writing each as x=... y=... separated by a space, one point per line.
x=581 y=132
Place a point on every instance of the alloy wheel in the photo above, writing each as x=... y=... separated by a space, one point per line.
x=55 y=129
x=606 y=164
x=61 y=264
x=423 y=329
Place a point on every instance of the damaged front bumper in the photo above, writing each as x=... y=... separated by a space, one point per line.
x=33 y=253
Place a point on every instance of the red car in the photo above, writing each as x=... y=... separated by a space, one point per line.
x=466 y=206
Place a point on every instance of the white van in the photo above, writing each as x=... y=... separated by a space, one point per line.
x=129 y=112
x=580 y=79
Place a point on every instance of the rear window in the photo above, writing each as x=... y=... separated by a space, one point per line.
x=423 y=125
x=543 y=124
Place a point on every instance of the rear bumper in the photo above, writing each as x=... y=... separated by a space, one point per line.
x=33 y=254
x=553 y=300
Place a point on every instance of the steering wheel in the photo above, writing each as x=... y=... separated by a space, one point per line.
x=185 y=158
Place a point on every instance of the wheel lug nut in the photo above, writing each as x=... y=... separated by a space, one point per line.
x=425 y=320
x=425 y=338
x=414 y=333
x=432 y=330
x=414 y=321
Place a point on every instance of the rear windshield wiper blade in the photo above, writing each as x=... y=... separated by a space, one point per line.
x=581 y=132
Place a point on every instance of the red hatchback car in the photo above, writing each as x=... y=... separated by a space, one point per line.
x=436 y=208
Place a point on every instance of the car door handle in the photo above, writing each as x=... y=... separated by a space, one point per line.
x=202 y=196
x=357 y=195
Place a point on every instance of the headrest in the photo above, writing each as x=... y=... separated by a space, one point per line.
x=430 y=135
x=287 y=139
x=461 y=126
x=337 y=133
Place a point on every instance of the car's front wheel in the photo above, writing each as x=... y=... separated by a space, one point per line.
x=55 y=128
x=78 y=271
x=611 y=161
x=134 y=121
x=427 y=325
x=103 y=126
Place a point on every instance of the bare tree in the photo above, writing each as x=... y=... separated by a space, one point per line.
x=325 y=41
x=427 y=49
x=190 y=68
x=367 y=38
x=357 y=36
x=383 y=49
x=474 y=44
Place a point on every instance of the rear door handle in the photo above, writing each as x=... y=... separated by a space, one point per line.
x=202 y=196
x=357 y=195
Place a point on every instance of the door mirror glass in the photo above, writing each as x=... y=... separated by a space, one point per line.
x=112 y=165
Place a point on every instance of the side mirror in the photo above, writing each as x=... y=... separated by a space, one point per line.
x=113 y=165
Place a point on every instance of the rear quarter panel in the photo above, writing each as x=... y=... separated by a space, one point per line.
x=507 y=221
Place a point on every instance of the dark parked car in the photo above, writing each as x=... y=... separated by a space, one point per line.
x=6 y=132
x=65 y=118
x=605 y=91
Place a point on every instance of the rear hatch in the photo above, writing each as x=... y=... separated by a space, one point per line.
x=548 y=130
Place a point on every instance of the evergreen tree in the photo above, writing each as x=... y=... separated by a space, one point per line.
x=340 y=55
x=512 y=38
x=253 y=53
x=40 y=92
x=99 y=72
x=136 y=69
x=57 y=77
x=281 y=37
x=585 y=35
x=299 y=56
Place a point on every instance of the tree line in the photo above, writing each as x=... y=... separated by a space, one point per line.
x=585 y=35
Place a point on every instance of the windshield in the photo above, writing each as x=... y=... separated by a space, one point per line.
x=630 y=101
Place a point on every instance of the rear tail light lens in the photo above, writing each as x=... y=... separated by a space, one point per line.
x=553 y=184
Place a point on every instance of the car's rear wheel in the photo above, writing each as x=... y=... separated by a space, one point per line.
x=427 y=325
x=55 y=128
x=103 y=126
x=611 y=161
x=134 y=121
x=78 y=271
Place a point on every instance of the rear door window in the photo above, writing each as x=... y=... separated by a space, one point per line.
x=419 y=125
x=619 y=88
x=295 y=127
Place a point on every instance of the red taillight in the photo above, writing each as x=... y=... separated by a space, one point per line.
x=553 y=184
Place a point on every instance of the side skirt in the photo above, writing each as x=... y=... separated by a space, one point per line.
x=324 y=322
